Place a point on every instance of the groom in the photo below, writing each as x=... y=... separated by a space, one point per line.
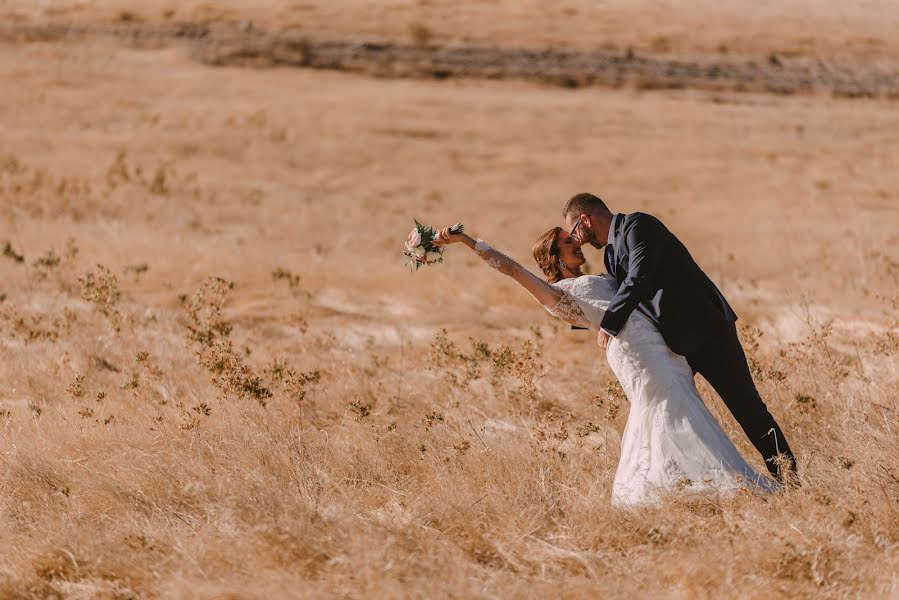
x=657 y=276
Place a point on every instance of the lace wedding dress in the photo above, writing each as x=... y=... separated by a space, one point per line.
x=671 y=443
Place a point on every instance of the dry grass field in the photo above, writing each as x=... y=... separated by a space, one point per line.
x=217 y=380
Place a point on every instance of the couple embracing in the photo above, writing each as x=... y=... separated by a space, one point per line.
x=660 y=320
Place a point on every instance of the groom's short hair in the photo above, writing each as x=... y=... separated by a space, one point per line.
x=584 y=203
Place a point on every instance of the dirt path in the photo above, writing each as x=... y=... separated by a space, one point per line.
x=244 y=45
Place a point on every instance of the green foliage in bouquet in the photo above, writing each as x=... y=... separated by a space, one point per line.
x=420 y=248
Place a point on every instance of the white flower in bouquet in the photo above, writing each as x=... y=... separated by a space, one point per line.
x=419 y=247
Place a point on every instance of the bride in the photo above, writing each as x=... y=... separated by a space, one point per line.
x=671 y=441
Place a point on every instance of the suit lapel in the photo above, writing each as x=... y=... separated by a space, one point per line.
x=612 y=252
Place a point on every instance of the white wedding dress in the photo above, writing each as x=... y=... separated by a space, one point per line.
x=671 y=443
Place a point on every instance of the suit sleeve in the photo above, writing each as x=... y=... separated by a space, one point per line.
x=644 y=243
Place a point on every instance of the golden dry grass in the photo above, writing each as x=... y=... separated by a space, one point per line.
x=312 y=433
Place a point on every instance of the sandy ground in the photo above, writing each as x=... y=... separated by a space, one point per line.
x=167 y=171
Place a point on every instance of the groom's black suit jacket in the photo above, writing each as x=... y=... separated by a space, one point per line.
x=657 y=275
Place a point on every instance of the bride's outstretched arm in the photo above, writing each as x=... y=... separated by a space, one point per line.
x=556 y=301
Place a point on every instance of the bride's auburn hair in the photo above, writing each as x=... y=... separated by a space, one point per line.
x=547 y=254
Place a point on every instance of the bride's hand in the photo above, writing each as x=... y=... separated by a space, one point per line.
x=444 y=237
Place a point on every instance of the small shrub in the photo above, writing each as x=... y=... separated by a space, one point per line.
x=844 y=462
x=283 y=274
x=421 y=34
x=76 y=388
x=11 y=254
x=360 y=408
x=586 y=429
x=432 y=418
x=806 y=403
x=102 y=291
x=209 y=331
x=132 y=382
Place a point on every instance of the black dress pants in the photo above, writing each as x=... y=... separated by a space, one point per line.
x=723 y=364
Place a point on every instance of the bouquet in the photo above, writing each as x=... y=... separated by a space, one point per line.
x=419 y=247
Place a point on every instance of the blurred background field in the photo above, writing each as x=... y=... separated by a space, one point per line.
x=321 y=422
